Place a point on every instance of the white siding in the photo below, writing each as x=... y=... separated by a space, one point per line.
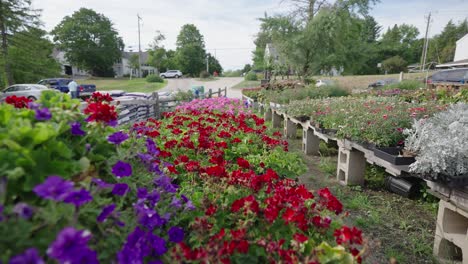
x=461 y=52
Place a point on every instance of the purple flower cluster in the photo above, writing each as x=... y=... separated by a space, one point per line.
x=57 y=189
x=120 y=189
x=106 y=212
x=117 y=138
x=23 y=210
x=31 y=255
x=139 y=245
x=71 y=246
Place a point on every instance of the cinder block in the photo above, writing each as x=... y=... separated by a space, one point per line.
x=310 y=142
x=290 y=128
x=451 y=238
x=351 y=167
x=277 y=120
x=268 y=114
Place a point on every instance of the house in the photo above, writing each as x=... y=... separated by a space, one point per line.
x=67 y=68
x=123 y=67
x=461 y=55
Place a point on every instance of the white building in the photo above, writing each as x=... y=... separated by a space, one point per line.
x=123 y=68
x=461 y=55
x=67 y=68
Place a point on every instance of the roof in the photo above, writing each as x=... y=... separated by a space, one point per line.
x=453 y=64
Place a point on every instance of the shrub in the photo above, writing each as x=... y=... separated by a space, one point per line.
x=251 y=76
x=440 y=143
x=404 y=85
x=184 y=96
x=394 y=64
x=152 y=78
x=205 y=75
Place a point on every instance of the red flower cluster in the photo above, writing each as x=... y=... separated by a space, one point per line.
x=18 y=101
x=99 y=109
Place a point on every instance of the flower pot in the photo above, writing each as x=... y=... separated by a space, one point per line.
x=451 y=181
x=391 y=154
x=406 y=187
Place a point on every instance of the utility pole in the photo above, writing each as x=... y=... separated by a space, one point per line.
x=207 y=64
x=426 y=44
x=139 y=47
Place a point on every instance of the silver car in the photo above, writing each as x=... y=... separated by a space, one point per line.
x=31 y=91
x=171 y=74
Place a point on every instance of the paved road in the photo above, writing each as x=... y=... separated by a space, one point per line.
x=185 y=84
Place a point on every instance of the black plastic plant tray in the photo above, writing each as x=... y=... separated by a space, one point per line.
x=390 y=154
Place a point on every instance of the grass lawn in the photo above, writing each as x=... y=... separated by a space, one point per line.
x=134 y=85
x=247 y=84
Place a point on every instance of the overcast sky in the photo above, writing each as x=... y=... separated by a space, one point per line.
x=229 y=26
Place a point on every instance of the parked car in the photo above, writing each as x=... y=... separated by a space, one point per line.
x=31 y=91
x=61 y=84
x=320 y=83
x=171 y=74
x=455 y=76
x=383 y=82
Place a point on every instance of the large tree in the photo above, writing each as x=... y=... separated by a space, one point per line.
x=31 y=56
x=190 y=53
x=90 y=41
x=214 y=65
x=15 y=15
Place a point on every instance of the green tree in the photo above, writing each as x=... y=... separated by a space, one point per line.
x=394 y=64
x=157 y=53
x=247 y=68
x=89 y=41
x=214 y=65
x=15 y=15
x=31 y=56
x=190 y=52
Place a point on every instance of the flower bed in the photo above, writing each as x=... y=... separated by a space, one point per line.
x=379 y=121
x=198 y=186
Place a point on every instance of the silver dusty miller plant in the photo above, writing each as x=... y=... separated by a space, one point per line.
x=441 y=143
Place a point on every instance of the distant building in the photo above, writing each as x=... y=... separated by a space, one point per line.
x=461 y=55
x=67 y=68
x=123 y=67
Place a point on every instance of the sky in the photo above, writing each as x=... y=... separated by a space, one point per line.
x=229 y=26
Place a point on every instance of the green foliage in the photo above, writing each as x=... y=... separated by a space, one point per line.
x=232 y=73
x=214 y=65
x=204 y=75
x=190 y=54
x=251 y=76
x=184 y=96
x=31 y=57
x=152 y=78
x=442 y=46
x=90 y=41
x=32 y=150
x=405 y=85
x=394 y=64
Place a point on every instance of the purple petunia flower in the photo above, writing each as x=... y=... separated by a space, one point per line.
x=189 y=206
x=176 y=203
x=153 y=197
x=142 y=193
x=70 y=246
x=117 y=138
x=78 y=197
x=158 y=244
x=176 y=234
x=122 y=169
x=1 y=212
x=23 y=210
x=106 y=211
x=43 y=114
x=33 y=105
x=76 y=129
x=102 y=184
x=53 y=188
x=112 y=123
x=151 y=147
x=164 y=182
x=30 y=256
x=145 y=158
x=120 y=189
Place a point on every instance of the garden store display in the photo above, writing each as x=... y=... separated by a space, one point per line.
x=208 y=183
x=440 y=143
x=374 y=121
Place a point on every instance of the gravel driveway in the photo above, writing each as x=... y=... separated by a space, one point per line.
x=185 y=84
